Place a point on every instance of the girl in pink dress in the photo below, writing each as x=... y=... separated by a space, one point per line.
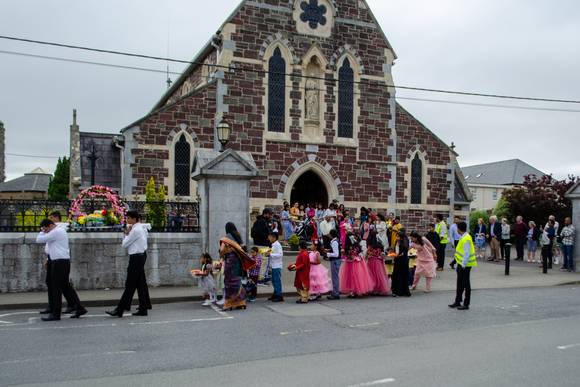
x=319 y=280
x=426 y=260
x=376 y=265
x=354 y=276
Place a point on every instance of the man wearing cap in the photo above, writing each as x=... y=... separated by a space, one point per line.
x=260 y=231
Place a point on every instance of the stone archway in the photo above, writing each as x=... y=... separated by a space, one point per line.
x=309 y=188
x=327 y=181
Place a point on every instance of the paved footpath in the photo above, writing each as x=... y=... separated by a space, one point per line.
x=487 y=275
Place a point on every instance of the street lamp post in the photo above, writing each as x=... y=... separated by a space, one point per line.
x=224 y=132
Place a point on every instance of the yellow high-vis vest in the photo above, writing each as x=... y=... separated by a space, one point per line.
x=459 y=252
x=438 y=231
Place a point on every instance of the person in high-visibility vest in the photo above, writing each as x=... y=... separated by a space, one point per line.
x=465 y=258
x=441 y=229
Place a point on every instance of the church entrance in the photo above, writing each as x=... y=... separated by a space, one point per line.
x=309 y=188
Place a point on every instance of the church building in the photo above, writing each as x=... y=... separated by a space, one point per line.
x=307 y=89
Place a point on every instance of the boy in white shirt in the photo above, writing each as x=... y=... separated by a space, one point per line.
x=276 y=265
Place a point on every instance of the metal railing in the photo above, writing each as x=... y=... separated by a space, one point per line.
x=26 y=215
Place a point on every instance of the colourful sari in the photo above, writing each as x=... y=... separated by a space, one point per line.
x=236 y=261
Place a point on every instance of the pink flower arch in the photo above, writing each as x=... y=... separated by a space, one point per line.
x=117 y=204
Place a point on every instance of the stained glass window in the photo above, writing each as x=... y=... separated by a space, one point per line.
x=182 y=172
x=345 y=100
x=416 y=179
x=277 y=93
x=313 y=13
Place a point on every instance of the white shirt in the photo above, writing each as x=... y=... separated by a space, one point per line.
x=63 y=225
x=56 y=243
x=276 y=255
x=136 y=241
x=331 y=213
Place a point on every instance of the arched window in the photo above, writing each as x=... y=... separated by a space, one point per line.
x=277 y=93
x=416 y=179
x=345 y=100
x=182 y=172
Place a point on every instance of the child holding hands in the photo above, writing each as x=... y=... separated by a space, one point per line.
x=206 y=282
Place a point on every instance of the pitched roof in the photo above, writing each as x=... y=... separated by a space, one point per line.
x=507 y=172
x=31 y=182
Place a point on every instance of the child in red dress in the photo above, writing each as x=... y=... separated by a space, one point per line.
x=302 y=269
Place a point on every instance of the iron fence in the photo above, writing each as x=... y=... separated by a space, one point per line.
x=26 y=215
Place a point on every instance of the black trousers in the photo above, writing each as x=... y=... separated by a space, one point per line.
x=441 y=254
x=60 y=273
x=463 y=284
x=547 y=254
x=145 y=286
x=135 y=281
x=69 y=301
x=326 y=240
x=502 y=244
x=520 y=242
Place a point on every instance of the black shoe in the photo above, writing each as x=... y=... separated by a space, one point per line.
x=69 y=310
x=115 y=313
x=333 y=297
x=454 y=305
x=128 y=309
x=463 y=307
x=79 y=313
x=149 y=307
x=140 y=312
x=51 y=317
x=452 y=265
x=46 y=311
x=299 y=301
x=271 y=298
x=352 y=296
x=278 y=299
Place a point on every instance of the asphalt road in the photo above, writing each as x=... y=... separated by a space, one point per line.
x=514 y=337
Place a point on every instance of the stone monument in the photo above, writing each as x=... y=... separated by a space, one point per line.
x=223 y=183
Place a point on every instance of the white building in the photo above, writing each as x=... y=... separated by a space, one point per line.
x=488 y=181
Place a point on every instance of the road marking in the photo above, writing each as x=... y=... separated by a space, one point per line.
x=374 y=383
x=306 y=331
x=214 y=307
x=363 y=325
x=62 y=357
x=182 y=321
x=568 y=346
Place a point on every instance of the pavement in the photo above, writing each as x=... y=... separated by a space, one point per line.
x=487 y=275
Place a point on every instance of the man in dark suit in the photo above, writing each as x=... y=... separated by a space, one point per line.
x=494 y=238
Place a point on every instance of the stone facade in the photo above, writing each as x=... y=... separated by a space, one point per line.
x=98 y=261
x=373 y=168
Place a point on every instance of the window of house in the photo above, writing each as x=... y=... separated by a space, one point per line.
x=182 y=171
x=277 y=93
x=345 y=100
x=474 y=193
x=416 y=179
x=494 y=195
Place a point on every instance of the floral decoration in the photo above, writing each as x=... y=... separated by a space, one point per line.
x=113 y=216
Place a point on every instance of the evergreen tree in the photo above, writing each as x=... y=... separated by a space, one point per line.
x=161 y=198
x=58 y=188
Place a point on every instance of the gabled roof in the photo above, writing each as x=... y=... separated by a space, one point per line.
x=507 y=172
x=34 y=181
x=215 y=39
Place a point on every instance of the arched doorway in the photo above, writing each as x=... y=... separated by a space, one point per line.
x=309 y=188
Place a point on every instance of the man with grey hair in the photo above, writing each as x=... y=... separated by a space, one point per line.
x=555 y=244
x=567 y=234
x=494 y=237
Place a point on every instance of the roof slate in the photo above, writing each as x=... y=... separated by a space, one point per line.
x=27 y=183
x=507 y=172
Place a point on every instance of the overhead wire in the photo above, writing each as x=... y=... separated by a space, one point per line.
x=235 y=68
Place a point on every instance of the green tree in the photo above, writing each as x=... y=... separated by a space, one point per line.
x=58 y=187
x=161 y=200
x=503 y=209
x=155 y=204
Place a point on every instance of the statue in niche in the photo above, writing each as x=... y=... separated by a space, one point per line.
x=312 y=98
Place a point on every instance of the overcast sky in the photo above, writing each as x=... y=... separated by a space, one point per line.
x=522 y=48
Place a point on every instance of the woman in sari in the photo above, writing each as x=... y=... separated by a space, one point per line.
x=235 y=262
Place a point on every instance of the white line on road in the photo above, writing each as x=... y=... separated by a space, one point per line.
x=568 y=346
x=374 y=383
x=181 y=321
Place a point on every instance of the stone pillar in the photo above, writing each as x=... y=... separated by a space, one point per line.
x=2 y=155
x=574 y=195
x=75 y=158
x=224 y=187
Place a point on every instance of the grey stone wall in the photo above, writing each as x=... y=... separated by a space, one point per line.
x=98 y=261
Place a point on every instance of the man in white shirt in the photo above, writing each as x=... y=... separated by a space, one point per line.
x=56 y=240
x=71 y=307
x=135 y=241
x=276 y=263
x=325 y=227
